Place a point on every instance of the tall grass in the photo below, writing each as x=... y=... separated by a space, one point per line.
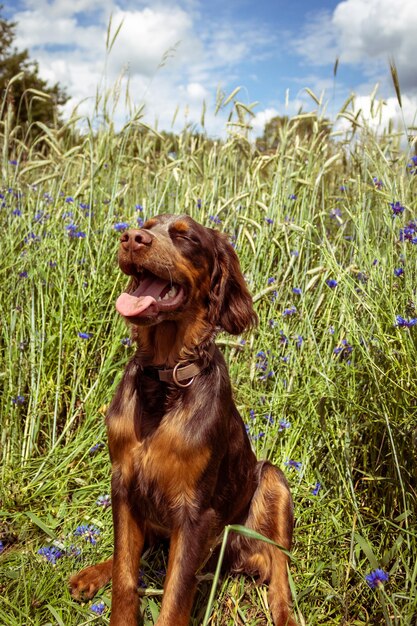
x=326 y=383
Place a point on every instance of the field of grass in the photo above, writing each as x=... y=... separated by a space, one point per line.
x=326 y=233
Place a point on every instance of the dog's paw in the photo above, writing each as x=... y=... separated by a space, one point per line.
x=86 y=583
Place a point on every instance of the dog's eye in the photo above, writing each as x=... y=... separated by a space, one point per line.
x=189 y=238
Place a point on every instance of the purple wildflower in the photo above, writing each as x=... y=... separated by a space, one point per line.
x=294 y=464
x=398 y=271
x=335 y=213
x=283 y=425
x=344 y=350
x=316 y=489
x=104 y=501
x=98 y=608
x=51 y=554
x=409 y=232
x=376 y=578
x=331 y=282
x=89 y=532
x=19 y=400
x=290 y=311
x=121 y=226
x=96 y=448
x=397 y=208
x=401 y=322
x=85 y=335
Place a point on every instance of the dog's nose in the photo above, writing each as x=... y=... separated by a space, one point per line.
x=134 y=239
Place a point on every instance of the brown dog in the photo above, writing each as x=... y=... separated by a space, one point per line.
x=182 y=463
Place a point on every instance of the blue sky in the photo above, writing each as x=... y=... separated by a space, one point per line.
x=273 y=50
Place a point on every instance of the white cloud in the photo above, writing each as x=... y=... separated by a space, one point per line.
x=167 y=56
x=377 y=113
x=261 y=118
x=365 y=33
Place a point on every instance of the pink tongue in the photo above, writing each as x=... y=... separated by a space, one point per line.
x=143 y=300
x=130 y=306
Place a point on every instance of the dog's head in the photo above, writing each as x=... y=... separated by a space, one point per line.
x=181 y=271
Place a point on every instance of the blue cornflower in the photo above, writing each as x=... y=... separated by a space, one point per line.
x=23 y=274
x=73 y=551
x=258 y=436
x=1 y=547
x=399 y=271
x=96 y=448
x=121 y=226
x=139 y=207
x=292 y=196
x=199 y=203
x=397 y=208
x=74 y=233
x=295 y=464
x=126 y=341
x=17 y=212
x=331 y=282
x=412 y=166
x=283 y=425
x=269 y=418
x=290 y=311
x=51 y=554
x=19 y=400
x=294 y=253
x=316 y=489
x=334 y=213
x=271 y=280
x=215 y=219
x=69 y=199
x=269 y=220
x=89 y=532
x=252 y=414
x=85 y=335
x=409 y=232
x=140 y=222
x=297 y=291
x=378 y=183
x=343 y=350
x=272 y=323
x=13 y=162
x=299 y=341
x=283 y=339
x=98 y=608
x=376 y=578
x=104 y=501
x=403 y=323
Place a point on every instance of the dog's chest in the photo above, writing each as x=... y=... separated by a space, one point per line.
x=160 y=467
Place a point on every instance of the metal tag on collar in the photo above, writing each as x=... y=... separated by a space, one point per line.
x=175 y=377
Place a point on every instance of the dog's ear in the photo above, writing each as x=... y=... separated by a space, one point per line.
x=230 y=303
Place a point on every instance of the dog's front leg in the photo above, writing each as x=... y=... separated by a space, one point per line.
x=128 y=547
x=188 y=549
